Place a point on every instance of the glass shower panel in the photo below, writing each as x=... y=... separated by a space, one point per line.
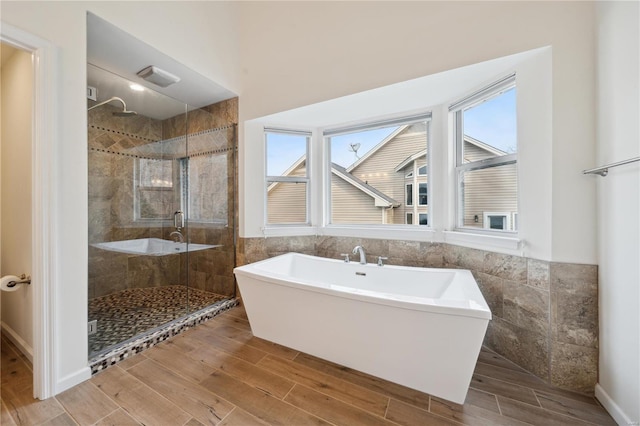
x=137 y=256
x=209 y=169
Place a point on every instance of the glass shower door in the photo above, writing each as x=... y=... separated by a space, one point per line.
x=137 y=256
x=210 y=203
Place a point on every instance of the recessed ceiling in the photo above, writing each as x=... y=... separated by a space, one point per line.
x=113 y=50
x=149 y=103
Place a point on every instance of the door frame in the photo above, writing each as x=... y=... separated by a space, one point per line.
x=45 y=141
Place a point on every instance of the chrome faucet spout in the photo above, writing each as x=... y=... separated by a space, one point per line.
x=363 y=257
x=178 y=234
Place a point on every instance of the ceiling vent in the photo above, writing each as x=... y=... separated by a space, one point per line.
x=158 y=76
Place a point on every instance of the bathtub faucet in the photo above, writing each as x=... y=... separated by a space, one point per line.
x=178 y=234
x=360 y=250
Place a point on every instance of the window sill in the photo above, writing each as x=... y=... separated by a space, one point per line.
x=408 y=233
x=509 y=245
x=289 y=230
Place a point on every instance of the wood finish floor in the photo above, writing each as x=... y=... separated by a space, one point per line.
x=219 y=374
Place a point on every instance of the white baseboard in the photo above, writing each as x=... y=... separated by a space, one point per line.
x=18 y=341
x=610 y=405
x=72 y=379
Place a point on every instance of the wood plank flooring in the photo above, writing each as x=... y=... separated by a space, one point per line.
x=218 y=373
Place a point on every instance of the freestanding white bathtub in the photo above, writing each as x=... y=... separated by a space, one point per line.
x=422 y=328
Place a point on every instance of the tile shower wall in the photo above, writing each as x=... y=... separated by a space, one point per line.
x=113 y=145
x=545 y=314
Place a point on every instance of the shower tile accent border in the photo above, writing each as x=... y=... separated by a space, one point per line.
x=146 y=341
x=545 y=314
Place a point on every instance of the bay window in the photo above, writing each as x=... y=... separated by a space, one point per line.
x=485 y=127
x=375 y=170
x=287 y=177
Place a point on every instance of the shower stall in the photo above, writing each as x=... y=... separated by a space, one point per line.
x=161 y=205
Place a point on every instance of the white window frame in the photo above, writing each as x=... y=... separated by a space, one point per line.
x=426 y=185
x=288 y=179
x=457 y=110
x=327 y=133
x=423 y=214
x=406 y=193
x=406 y=218
x=486 y=222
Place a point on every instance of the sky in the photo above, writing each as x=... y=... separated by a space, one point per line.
x=492 y=122
x=341 y=152
x=283 y=150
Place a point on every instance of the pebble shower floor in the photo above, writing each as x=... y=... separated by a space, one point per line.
x=127 y=313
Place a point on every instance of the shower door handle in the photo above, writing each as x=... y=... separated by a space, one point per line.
x=178 y=219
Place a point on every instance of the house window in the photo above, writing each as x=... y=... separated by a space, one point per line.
x=423 y=218
x=287 y=178
x=422 y=194
x=154 y=189
x=422 y=171
x=373 y=170
x=486 y=156
x=409 y=219
x=493 y=220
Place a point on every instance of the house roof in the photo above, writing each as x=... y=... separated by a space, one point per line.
x=295 y=165
x=381 y=199
x=467 y=138
x=376 y=148
x=483 y=145
x=300 y=161
x=410 y=159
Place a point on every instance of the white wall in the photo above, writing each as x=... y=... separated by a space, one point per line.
x=619 y=209
x=198 y=34
x=15 y=144
x=301 y=53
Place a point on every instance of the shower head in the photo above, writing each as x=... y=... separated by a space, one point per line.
x=123 y=113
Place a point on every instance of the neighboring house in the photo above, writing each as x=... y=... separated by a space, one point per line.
x=490 y=195
x=388 y=185
x=391 y=168
x=287 y=201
